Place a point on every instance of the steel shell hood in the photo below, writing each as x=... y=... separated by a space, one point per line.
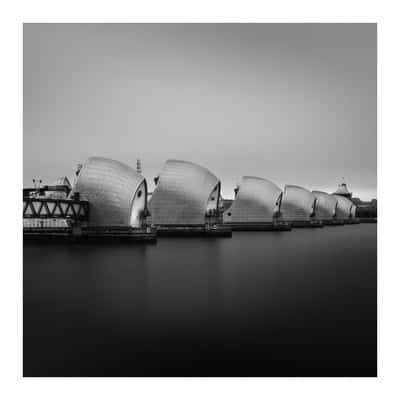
x=344 y=207
x=325 y=205
x=257 y=200
x=297 y=203
x=184 y=193
x=114 y=190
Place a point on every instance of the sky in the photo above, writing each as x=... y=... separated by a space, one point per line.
x=293 y=103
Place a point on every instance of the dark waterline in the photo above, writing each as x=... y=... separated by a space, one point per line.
x=300 y=303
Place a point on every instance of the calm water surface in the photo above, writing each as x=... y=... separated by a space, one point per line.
x=300 y=303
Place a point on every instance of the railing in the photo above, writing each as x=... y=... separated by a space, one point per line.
x=77 y=210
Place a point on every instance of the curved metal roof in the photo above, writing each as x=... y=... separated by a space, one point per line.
x=183 y=191
x=256 y=201
x=344 y=206
x=325 y=206
x=297 y=203
x=110 y=187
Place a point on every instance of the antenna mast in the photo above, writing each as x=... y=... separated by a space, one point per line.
x=138 y=166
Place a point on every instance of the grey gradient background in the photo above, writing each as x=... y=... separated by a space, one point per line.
x=295 y=103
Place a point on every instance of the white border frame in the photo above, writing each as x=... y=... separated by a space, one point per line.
x=17 y=12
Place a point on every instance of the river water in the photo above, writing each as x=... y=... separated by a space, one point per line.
x=299 y=303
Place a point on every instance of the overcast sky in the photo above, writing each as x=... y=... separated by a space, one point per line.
x=294 y=103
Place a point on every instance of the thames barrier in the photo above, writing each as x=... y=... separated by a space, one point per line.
x=109 y=201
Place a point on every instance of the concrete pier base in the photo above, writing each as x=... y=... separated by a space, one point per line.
x=333 y=222
x=353 y=221
x=193 y=231
x=259 y=226
x=91 y=234
x=307 y=224
x=368 y=220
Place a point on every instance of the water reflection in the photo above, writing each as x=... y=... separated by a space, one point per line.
x=291 y=303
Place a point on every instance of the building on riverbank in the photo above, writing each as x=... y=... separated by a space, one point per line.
x=49 y=206
x=342 y=190
x=366 y=210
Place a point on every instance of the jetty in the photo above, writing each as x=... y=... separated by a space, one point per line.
x=307 y=224
x=277 y=226
x=194 y=231
x=91 y=234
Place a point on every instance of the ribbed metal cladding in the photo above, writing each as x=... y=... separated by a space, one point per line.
x=256 y=201
x=325 y=206
x=182 y=194
x=297 y=203
x=110 y=187
x=344 y=206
